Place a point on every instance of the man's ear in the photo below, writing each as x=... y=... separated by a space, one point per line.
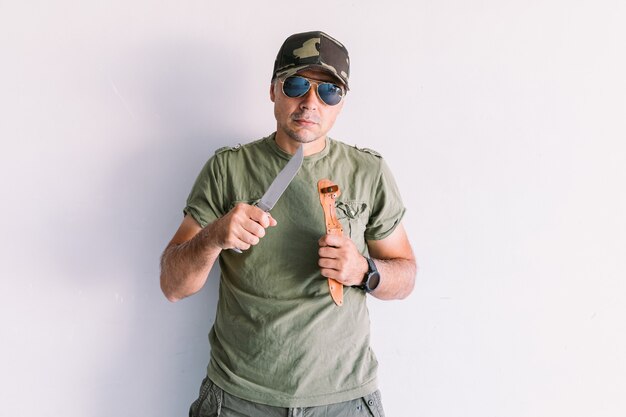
x=272 y=94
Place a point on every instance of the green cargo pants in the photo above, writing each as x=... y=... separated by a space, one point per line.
x=214 y=402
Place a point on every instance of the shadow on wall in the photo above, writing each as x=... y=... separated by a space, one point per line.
x=181 y=113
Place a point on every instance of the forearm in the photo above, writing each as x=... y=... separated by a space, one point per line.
x=185 y=266
x=397 y=278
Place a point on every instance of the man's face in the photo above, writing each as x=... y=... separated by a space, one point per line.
x=304 y=119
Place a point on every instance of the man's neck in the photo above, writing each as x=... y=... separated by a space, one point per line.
x=290 y=145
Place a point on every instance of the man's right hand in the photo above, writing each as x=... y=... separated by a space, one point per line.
x=191 y=253
x=242 y=227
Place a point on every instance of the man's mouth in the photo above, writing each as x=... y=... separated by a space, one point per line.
x=305 y=120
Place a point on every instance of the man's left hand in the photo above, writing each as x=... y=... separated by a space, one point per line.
x=341 y=260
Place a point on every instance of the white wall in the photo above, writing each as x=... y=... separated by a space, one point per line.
x=504 y=122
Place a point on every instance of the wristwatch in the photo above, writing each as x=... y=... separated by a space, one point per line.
x=372 y=277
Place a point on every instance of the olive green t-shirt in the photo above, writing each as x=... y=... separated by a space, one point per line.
x=278 y=338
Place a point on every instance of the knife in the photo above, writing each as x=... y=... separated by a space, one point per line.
x=280 y=183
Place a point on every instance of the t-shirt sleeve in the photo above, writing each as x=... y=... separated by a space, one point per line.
x=205 y=202
x=387 y=207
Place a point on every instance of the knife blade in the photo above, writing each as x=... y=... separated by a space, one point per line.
x=280 y=183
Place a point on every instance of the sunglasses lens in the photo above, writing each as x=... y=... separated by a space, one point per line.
x=296 y=86
x=330 y=93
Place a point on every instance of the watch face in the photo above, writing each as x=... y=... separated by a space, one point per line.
x=372 y=281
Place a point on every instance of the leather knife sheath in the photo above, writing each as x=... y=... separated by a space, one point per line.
x=328 y=192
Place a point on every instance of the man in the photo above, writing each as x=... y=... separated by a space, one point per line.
x=280 y=345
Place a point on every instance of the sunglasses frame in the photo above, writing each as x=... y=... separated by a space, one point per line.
x=317 y=86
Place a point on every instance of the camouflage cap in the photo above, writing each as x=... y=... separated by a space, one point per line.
x=312 y=50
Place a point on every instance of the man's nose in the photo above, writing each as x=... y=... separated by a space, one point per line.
x=310 y=101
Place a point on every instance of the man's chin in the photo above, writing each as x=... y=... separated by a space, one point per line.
x=303 y=137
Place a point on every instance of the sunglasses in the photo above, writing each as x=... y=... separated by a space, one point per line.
x=297 y=86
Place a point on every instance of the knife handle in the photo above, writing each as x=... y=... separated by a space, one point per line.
x=328 y=192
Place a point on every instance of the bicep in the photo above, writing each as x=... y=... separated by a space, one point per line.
x=186 y=231
x=394 y=246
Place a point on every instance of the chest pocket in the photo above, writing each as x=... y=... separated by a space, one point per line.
x=353 y=216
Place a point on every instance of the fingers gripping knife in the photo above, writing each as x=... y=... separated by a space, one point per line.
x=329 y=192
